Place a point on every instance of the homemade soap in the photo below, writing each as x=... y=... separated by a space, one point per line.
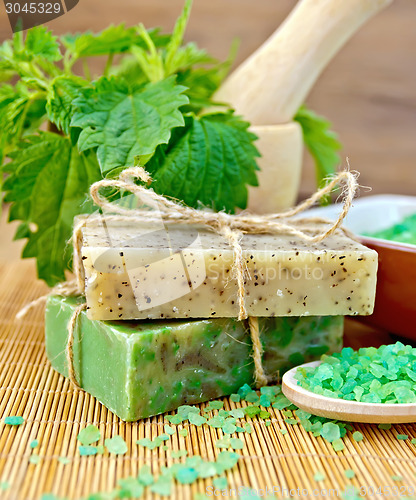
x=138 y=369
x=143 y=272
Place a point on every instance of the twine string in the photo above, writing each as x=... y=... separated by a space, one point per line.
x=260 y=378
x=230 y=226
x=234 y=238
x=69 y=351
x=175 y=212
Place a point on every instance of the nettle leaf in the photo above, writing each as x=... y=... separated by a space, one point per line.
x=20 y=112
x=61 y=94
x=47 y=188
x=122 y=122
x=129 y=70
x=40 y=42
x=201 y=84
x=112 y=40
x=177 y=37
x=321 y=142
x=13 y=106
x=210 y=161
x=6 y=70
x=186 y=57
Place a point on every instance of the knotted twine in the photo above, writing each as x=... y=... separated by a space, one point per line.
x=229 y=226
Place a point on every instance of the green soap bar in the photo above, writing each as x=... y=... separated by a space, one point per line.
x=143 y=368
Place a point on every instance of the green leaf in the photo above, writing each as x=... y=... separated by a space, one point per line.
x=112 y=40
x=7 y=58
x=13 y=108
x=7 y=70
x=187 y=57
x=177 y=37
x=123 y=123
x=201 y=84
x=41 y=43
x=61 y=94
x=148 y=57
x=321 y=142
x=20 y=114
x=210 y=161
x=47 y=187
x=129 y=70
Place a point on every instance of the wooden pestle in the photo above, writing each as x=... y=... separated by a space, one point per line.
x=268 y=88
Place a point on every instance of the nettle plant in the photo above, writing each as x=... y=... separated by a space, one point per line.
x=62 y=131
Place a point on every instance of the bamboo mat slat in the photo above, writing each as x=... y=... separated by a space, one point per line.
x=55 y=412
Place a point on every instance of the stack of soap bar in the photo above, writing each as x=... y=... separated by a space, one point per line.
x=139 y=272
x=138 y=369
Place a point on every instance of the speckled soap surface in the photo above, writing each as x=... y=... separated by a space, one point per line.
x=145 y=272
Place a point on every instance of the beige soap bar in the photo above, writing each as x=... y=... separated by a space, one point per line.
x=137 y=272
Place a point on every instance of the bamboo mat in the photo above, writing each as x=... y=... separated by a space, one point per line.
x=54 y=413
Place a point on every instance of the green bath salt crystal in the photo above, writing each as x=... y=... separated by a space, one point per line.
x=402 y=437
x=404 y=231
x=116 y=445
x=369 y=375
x=87 y=450
x=14 y=420
x=349 y=473
x=143 y=368
x=357 y=436
x=89 y=435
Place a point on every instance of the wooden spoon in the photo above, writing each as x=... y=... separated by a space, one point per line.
x=341 y=409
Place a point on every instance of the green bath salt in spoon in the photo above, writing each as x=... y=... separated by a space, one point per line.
x=369 y=385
